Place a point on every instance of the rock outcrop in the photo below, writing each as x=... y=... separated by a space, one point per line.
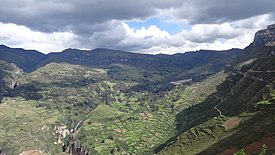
x=265 y=37
x=9 y=74
x=2 y=151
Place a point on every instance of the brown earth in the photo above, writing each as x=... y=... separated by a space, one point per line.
x=268 y=140
x=31 y=152
x=232 y=123
x=254 y=148
x=229 y=151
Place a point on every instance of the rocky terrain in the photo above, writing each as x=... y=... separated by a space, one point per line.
x=240 y=114
x=265 y=37
x=106 y=101
x=9 y=74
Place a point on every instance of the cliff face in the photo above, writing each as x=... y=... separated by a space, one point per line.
x=9 y=73
x=265 y=37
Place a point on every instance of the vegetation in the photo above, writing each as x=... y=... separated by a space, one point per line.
x=113 y=102
x=25 y=127
x=243 y=101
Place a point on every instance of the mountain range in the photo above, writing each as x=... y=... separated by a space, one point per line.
x=105 y=101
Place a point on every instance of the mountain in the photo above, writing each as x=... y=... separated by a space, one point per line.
x=125 y=65
x=105 y=101
x=265 y=37
x=154 y=67
x=9 y=73
x=63 y=91
x=24 y=59
x=106 y=57
x=240 y=114
x=203 y=61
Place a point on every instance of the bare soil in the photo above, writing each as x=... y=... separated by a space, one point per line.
x=268 y=140
x=31 y=152
x=232 y=123
x=255 y=147
x=229 y=151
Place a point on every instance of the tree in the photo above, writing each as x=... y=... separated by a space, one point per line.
x=240 y=152
x=264 y=148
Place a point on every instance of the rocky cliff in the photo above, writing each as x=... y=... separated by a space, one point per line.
x=9 y=74
x=265 y=37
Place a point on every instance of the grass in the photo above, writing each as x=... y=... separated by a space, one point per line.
x=238 y=96
x=24 y=127
x=132 y=122
x=132 y=133
x=183 y=97
x=59 y=72
x=197 y=138
x=104 y=113
x=141 y=132
x=248 y=62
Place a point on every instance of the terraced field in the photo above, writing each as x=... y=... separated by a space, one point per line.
x=130 y=127
x=123 y=132
x=25 y=127
x=116 y=117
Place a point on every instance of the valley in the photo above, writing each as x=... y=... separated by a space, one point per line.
x=114 y=102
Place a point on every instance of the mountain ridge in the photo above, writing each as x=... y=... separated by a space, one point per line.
x=105 y=102
x=241 y=96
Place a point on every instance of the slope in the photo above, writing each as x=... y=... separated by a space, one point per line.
x=24 y=59
x=238 y=115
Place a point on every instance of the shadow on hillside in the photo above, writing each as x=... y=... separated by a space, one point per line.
x=32 y=90
x=220 y=102
x=254 y=129
x=28 y=91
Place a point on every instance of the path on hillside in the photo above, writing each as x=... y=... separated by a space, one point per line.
x=257 y=71
x=254 y=77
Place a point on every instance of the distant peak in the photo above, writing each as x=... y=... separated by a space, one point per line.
x=100 y=49
x=271 y=26
x=75 y=50
x=265 y=37
x=104 y=49
x=108 y=50
x=4 y=46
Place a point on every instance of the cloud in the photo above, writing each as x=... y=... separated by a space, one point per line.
x=202 y=33
x=144 y=38
x=220 y=11
x=201 y=36
x=21 y=36
x=52 y=15
x=79 y=15
x=54 y=25
x=117 y=34
x=109 y=37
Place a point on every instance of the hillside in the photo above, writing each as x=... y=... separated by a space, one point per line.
x=238 y=116
x=75 y=90
x=125 y=65
x=106 y=101
x=9 y=74
x=24 y=59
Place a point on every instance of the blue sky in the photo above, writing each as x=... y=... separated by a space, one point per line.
x=162 y=23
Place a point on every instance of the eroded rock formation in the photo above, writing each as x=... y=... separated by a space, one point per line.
x=265 y=37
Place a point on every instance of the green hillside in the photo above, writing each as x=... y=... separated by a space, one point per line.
x=106 y=101
x=238 y=116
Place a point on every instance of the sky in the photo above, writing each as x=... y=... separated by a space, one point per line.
x=142 y=26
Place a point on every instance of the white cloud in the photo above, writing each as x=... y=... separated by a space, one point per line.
x=144 y=38
x=151 y=31
x=201 y=36
x=152 y=40
x=202 y=33
x=52 y=26
x=22 y=37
